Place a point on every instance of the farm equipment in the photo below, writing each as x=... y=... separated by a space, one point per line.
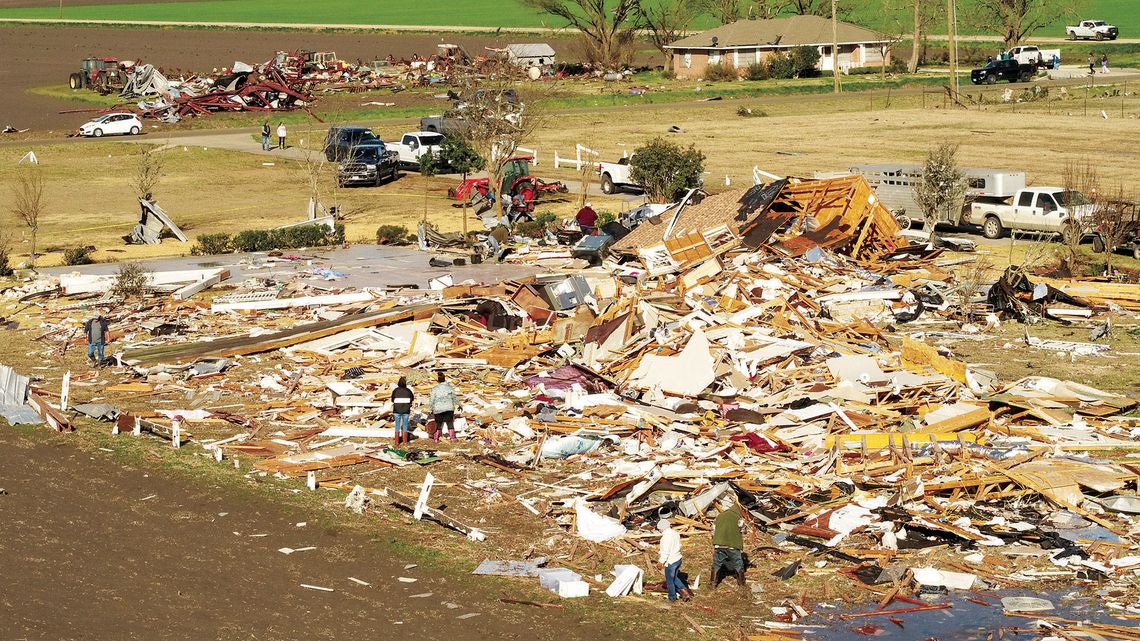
x=517 y=181
x=101 y=74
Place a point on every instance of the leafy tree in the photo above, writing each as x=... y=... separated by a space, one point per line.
x=666 y=170
x=1015 y=20
x=805 y=61
x=943 y=185
x=609 y=27
x=458 y=154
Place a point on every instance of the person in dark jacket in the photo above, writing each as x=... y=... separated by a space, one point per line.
x=265 y=136
x=96 y=331
x=402 y=398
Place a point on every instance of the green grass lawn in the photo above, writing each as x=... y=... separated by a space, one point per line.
x=475 y=13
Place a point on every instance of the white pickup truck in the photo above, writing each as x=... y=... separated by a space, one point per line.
x=1034 y=55
x=414 y=144
x=1039 y=209
x=1093 y=30
x=615 y=176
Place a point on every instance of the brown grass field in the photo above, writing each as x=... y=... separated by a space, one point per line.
x=89 y=201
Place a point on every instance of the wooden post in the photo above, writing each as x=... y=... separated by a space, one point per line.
x=465 y=200
x=835 y=46
x=952 y=37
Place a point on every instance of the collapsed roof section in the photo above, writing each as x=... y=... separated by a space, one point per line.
x=791 y=216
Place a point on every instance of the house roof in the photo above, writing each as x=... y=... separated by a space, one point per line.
x=717 y=209
x=534 y=50
x=784 y=32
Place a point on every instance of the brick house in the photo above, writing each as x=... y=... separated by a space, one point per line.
x=744 y=42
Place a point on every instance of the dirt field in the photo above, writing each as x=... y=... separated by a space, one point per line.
x=95 y=548
x=40 y=56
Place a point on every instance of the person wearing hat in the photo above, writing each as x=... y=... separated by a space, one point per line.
x=670 y=558
x=728 y=544
x=96 y=331
x=587 y=219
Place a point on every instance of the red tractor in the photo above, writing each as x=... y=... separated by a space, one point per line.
x=518 y=186
x=101 y=74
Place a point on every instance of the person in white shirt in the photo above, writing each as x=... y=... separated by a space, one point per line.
x=670 y=558
x=281 y=135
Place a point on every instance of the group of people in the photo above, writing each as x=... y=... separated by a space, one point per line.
x=281 y=133
x=441 y=403
x=1103 y=63
x=727 y=549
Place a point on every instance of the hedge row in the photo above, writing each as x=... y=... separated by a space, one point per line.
x=260 y=240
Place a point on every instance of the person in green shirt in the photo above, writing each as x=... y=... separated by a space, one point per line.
x=728 y=544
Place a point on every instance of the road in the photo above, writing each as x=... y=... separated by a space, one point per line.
x=411 y=28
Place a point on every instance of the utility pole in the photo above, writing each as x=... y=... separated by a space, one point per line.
x=835 y=47
x=952 y=37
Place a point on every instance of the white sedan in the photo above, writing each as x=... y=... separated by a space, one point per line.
x=113 y=123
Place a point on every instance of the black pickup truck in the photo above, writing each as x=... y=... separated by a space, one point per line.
x=1010 y=70
x=368 y=163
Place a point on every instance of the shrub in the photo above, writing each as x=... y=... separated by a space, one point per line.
x=805 y=61
x=78 y=256
x=749 y=112
x=261 y=240
x=781 y=65
x=252 y=240
x=546 y=218
x=212 y=244
x=5 y=252
x=606 y=217
x=665 y=169
x=757 y=71
x=669 y=74
x=392 y=235
x=530 y=229
x=721 y=73
x=130 y=282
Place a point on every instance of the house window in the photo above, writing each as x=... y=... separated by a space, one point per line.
x=714 y=57
x=688 y=60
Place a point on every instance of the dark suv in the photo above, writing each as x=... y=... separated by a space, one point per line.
x=368 y=163
x=1010 y=70
x=340 y=140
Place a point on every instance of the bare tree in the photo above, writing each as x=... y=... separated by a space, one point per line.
x=28 y=203
x=1114 y=220
x=816 y=7
x=943 y=185
x=666 y=22
x=149 y=169
x=1080 y=180
x=1016 y=20
x=728 y=11
x=499 y=115
x=609 y=27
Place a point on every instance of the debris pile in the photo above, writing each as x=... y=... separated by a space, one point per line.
x=750 y=353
